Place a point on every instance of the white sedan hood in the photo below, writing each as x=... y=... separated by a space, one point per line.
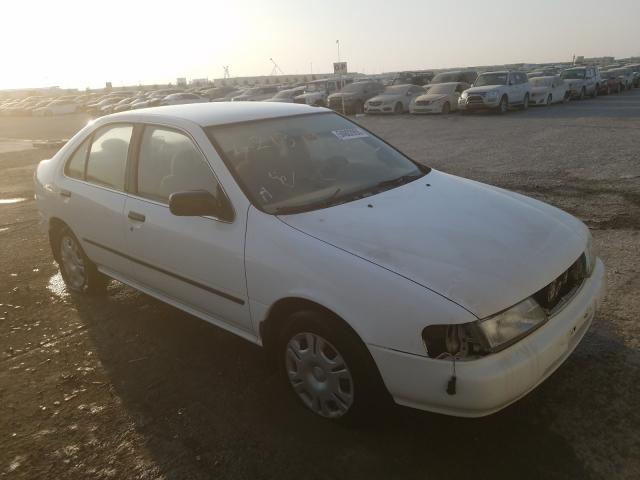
x=480 y=246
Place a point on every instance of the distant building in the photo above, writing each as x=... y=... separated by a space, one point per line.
x=270 y=79
x=181 y=82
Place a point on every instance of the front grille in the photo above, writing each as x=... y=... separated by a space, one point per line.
x=375 y=104
x=560 y=291
x=423 y=103
x=475 y=99
x=336 y=104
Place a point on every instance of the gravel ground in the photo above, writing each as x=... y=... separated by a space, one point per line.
x=127 y=387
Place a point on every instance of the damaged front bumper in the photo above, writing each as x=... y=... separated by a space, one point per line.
x=489 y=384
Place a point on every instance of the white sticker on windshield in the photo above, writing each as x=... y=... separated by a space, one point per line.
x=349 y=133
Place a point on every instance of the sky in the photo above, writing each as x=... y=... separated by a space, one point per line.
x=87 y=43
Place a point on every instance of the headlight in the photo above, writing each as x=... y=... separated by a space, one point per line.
x=465 y=94
x=492 y=95
x=512 y=324
x=591 y=255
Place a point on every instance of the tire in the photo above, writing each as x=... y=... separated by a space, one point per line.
x=608 y=90
x=398 y=109
x=358 y=108
x=583 y=93
x=595 y=92
x=619 y=90
x=549 y=100
x=446 y=108
x=78 y=272
x=329 y=369
x=503 y=106
x=525 y=102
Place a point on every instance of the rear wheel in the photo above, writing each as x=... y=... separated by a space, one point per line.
x=79 y=273
x=446 y=108
x=398 y=108
x=583 y=93
x=595 y=91
x=549 y=100
x=359 y=108
x=619 y=90
x=328 y=368
x=525 y=102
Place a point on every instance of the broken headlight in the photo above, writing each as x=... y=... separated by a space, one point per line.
x=485 y=336
x=506 y=327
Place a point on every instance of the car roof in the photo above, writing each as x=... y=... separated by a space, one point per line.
x=216 y=113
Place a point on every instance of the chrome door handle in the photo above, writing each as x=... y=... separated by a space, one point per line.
x=138 y=217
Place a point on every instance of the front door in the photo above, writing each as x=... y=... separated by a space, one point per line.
x=197 y=261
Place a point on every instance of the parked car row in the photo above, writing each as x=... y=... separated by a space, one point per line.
x=415 y=92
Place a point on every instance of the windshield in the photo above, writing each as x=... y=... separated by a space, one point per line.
x=540 y=82
x=284 y=94
x=491 y=79
x=445 y=77
x=296 y=164
x=442 y=88
x=353 y=88
x=316 y=87
x=396 y=90
x=574 y=74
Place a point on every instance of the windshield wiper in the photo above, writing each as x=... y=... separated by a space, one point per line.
x=400 y=180
x=325 y=202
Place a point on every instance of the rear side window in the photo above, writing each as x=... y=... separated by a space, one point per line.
x=169 y=162
x=108 y=156
x=75 y=165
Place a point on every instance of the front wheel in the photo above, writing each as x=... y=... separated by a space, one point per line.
x=583 y=93
x=549 y=100
x=446 y=108
x=525 y=102
x=595 y=92
x=503 y=106
x=328 y=367
x=398 y=109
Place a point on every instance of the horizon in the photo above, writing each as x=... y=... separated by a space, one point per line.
x=144 y=44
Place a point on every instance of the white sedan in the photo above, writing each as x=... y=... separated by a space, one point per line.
x=183 y=98
x=439 y=98
x=394 y=99
x=548 y=90
x=363 y=274
x=57 y=107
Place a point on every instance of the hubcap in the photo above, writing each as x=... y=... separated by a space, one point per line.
x=72 y=262
x=319 y=375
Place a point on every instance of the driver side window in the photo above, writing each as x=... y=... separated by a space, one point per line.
x=169 y=162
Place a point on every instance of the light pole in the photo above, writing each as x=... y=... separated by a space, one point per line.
x=338 y=44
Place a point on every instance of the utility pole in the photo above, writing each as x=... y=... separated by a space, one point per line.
x=338 y=43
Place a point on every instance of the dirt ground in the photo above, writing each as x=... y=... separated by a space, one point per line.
x=126 y=387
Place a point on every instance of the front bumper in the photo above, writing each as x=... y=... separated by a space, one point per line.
x=431 y=108
x=491 y=383
x=378 y=109
x=483 y=103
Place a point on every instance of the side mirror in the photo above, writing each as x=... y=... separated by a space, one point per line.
x=199 y=203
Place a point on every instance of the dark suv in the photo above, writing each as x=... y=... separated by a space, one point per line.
x=352 y=97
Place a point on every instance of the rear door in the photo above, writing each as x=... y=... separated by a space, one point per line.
x=92 y=189
x=197 y=261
